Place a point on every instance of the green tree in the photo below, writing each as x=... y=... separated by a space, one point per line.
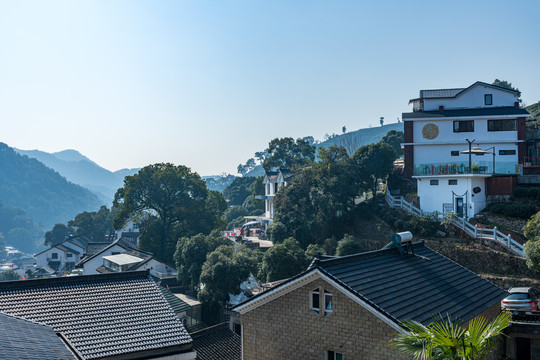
x=449 y=340
x=286 y=153
x=95 y=225
x=532 y=246
x=234 y=212
x=376 y=161
x=9 y=275
x=58 y=234
x=532 y=228
x=239 y=190
x=314 y=250
x=224 y=270
x=349 y=245
x=394 y=138
x=504 y=84
x=171 y=202
x=319 y=201
x=191 y=254
x=282 y=261
x=532 y=255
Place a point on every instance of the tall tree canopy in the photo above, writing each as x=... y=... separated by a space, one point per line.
x=170 y=202
x=191 y=254
x=95 y=225
x=394 y=138
x=286 y=153
x=224 y=270
x=376 y=161
x=318 y=202
x=58 y=234
x=282 y=261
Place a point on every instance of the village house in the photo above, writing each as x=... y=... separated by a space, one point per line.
x=463 y=146
x=63 y=256
x=350 y=307
x=120 y=256
x=108 y=316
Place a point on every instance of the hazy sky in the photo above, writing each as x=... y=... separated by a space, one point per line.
x=207 y=83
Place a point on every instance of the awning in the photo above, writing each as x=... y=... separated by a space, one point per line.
x=251 y=223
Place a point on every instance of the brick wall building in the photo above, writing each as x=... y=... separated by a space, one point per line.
x=351 y=307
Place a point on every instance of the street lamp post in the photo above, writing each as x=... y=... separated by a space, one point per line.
x=470 y=154
x=493 y=153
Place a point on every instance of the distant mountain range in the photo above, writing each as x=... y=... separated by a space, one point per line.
x=42 y=193
x=80 y=170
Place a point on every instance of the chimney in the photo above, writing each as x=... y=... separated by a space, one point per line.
x=441 y=108
x=516 y=105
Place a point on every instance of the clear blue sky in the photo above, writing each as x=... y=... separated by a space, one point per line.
x=207 y=83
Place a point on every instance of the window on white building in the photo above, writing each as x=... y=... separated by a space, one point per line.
x=69 y=255
x=433 y=182
x=454 y=153
x=507 y=152
x=502 y=125
x=488 y=99
x=464 y=126
x=54 y=256
x=452 y=182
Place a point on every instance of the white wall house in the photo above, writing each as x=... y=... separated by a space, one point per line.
x=439 y=129
x=61 y=256
x=273 y=181
x=121 y=256
x=129 y=231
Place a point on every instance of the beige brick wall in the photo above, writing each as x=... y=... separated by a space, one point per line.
x=286 y=328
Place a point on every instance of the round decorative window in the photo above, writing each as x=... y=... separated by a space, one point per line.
x=430 y=131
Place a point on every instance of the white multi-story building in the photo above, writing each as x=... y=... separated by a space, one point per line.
x=273 y=181
x=446 y=124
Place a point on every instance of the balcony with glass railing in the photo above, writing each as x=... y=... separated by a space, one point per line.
x=462 y=168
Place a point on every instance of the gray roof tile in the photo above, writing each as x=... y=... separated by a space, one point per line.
x=217 y=343
x=100 y=315
x=414 y=287
x=23 y=339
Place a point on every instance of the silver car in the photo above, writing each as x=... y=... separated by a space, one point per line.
x=521 y=299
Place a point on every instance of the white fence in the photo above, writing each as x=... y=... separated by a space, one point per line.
x=472 y=230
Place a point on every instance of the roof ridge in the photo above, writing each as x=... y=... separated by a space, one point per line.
x=74 y=279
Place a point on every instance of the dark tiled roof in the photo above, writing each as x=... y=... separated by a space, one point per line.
x=94 y=248
x=176 y=303
x=414 y=287
x=439 y=93
x=100 y=315
x=217 y=343
x=23 y=339
x=123 y=243
x=466 y=112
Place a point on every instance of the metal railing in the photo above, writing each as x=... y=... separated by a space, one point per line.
x=473 y=230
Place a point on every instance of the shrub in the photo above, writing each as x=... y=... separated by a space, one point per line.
x=348 y=245
x=532 y=254
x=527 y=192
x=512 y=209
x=425 y=225
x=277 y=232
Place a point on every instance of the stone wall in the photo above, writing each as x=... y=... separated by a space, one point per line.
x=287 y=328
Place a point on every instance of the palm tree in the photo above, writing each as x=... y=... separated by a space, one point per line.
x=447 y=339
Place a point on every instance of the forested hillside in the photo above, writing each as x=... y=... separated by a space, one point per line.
x=45 y=196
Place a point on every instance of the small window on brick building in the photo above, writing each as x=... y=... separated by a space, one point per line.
x=332 y=355
x=327 y=303
x=315 y=302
